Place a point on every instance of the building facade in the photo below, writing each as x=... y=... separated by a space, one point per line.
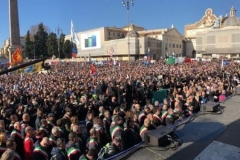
x=214 y=37
x=129 y=42
x=6 y=45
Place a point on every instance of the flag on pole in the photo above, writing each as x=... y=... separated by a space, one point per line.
x=75 y=41
x=74 y=53
x=74 y=35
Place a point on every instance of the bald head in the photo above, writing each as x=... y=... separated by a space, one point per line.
x=92 y=132
x=76 y=129
x=17 y=125
x=26 y=117
x=45 y=142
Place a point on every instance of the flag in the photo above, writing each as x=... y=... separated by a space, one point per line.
x=29 y=69
x=74 y=35
x=111 y=50
x=224 y=63
x=75 y=41
x=16 y=56
x=93 y=70
x=74 y=53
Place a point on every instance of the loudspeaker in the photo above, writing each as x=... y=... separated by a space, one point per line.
x=210 y=107
x=158 y=137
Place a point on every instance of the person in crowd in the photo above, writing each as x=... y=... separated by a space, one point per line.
x=59 y=152
x=115 y=147
x=73 y=150
x=3 y=140
x=92 y=154
x=40 y=150
x=28 y=142
x=55 y=134
x=8 y=155
x=13 y=119
x=92 y=142
x=144 y=128
x=11 y=144
x=24 y=123
x=17 y=137
x=39 y=117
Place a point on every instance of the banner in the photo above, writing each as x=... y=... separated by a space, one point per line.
x=16 y=56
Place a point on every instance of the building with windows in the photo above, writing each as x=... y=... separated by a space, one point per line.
x=6 y=44
x=102 y=42
x=214 y=36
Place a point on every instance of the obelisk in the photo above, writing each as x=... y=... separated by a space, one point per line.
x=13 y=27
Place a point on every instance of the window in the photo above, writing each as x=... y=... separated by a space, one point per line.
x=176 y=45
x=173 y=45
x=118 y=34
x=169 y=45
x=109 y=34
x=180 y=46
x=113 y=34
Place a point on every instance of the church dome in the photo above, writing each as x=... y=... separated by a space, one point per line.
x=231 y=21
x=132 y=34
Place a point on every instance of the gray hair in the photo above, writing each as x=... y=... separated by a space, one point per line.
x=8 y=155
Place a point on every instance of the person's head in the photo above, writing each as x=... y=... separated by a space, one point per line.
x=150 y=116
x=13 y=118
x=39 y=112
x=3 y=138
x=45 y=142
x=26 y=117
x=11 y=144
x=43 y=122
x=92 y=132
x=74 y=119
x=76 y=129
x=68 y=111
x=165 y=107
x=51 y=117
x=118 y=119
x=90 y=115
x=59 y=123
x=61 y=143
x=146 y=122
x=117 y=140
x=107 y=114
x=92 y=154
x=73 y=137
x=29 y=131
x=8 y=155
x=39 y=133
x=55 y=131
x=137 y=106
x=17 y=126
x=96 y=120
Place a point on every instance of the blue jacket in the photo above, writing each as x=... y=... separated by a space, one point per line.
x=59 y=154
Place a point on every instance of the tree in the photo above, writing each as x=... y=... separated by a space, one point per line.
x=61 y=44
x=29 y=48
x=40 y=39
x=67 y=49
x=52 y=44
x=34 y=29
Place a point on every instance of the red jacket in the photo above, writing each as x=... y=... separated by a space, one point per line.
x=28 y=147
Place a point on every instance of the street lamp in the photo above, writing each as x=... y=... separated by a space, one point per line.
x=58 y=31
x=127 y=5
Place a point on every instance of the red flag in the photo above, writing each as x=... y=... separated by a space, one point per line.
x=93 y=69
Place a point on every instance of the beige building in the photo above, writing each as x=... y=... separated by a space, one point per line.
x=6 y=44
x=214 y=36
x=101 y=42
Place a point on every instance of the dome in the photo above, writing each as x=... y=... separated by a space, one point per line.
x=231 y=21
x=132 y=34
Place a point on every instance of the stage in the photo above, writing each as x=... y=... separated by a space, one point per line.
x=214 y=132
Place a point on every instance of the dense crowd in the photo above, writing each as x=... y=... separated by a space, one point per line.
x=70 y=113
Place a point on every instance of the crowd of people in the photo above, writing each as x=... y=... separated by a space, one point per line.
x=71 y=114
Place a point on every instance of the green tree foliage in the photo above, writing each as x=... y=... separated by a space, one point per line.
x=61 y=44
x=29 y=48
x=40 y=39
x=52 y=44
x=67 y=49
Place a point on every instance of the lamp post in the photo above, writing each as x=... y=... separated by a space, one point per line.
x=127 y=5
x=58 y=31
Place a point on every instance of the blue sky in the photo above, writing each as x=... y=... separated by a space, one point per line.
x=89 y=14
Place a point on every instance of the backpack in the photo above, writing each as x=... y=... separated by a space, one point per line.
x=102 y=153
